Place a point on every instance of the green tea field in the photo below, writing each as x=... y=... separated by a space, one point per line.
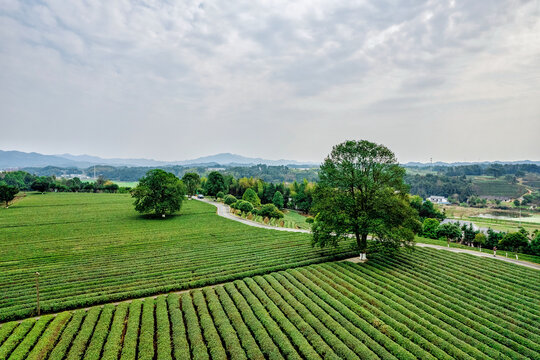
x=94 y=248
x=428 y=304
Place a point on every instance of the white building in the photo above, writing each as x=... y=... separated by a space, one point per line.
x=438 y=199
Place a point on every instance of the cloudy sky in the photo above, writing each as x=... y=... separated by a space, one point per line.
x=453 y=80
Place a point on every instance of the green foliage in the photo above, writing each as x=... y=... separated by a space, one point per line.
x=534 y=246
x=271 y=211
x=448 y=231
x=159 y=192
x=251 y=196
x=215 y=183
x=220 y=195
x=426 y=209
x=41 y=184
x=429 y=228
x=515 y=241
x=277 y=200
x=480 y=238
x=229 y=199
x=468 y=233
x=242 y=205
x=192 y=181
x=361 y=192
x=7 y=193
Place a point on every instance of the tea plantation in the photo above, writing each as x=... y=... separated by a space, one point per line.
x=429 y=304
x=94 y=248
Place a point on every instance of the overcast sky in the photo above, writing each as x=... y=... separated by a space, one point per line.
x=172 y=80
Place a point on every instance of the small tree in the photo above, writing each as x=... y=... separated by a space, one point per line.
x=159 y=192
x=277 y=200
x=429 y=228
x=514 y=241
x=41 y=184
x=480 y=239
x=191 y=180
x=215 y=183
x=449 y=231
x=468 y=233
x=251 y=196
x=7 y=193
x=220 y=195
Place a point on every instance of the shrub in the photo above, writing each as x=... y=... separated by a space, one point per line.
x=229 y=199
x=242 y=205
x=220 y=195
x=271 y=211
x=251 y=196
x=310 y=220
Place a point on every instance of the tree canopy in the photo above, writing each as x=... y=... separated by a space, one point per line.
x=159 y=192
x=251 y=196
x=277 y=200
x=215 y=183
x=361 y=192
x=7 y=193
x=191 y=180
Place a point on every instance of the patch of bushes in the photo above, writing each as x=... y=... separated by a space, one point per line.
x=229 y=199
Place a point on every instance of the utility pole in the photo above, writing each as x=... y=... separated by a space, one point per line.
x=37 y=291
x=94 y=172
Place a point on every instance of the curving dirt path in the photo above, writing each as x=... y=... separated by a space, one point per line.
x=224 y=211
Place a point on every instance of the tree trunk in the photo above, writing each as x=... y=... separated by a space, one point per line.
x=361 y=242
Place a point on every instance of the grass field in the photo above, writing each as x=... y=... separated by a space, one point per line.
x=94 y=248
x=298 y=219
x=426 y=305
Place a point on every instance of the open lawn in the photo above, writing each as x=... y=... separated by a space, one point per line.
x=426 y=305
x=94 y=248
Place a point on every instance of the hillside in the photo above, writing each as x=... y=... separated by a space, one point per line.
x=94 y=248
x=391 y=308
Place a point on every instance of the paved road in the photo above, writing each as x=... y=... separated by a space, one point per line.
x=487 y=254
x=224 y=211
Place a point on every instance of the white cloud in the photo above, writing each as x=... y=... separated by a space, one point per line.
x=278 y=79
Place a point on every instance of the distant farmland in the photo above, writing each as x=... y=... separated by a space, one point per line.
x=498 y=187
x=428 y=305
x=94 y=248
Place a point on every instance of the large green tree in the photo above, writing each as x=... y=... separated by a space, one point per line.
x=215 y=183
x=159 y=192
x=192 y=181
x=7 y=193
x=360 y=193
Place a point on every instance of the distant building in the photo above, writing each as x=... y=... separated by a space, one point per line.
x=438 y=199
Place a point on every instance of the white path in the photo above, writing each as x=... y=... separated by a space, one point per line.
x=224 y=211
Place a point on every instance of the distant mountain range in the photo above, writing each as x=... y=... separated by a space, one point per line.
x=18 y=159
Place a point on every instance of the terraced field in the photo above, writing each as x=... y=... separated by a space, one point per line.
x=94 y=248
x=429 y=305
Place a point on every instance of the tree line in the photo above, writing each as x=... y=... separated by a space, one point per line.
x=520 y=241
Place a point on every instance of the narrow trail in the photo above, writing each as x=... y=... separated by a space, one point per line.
x=224 y=211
